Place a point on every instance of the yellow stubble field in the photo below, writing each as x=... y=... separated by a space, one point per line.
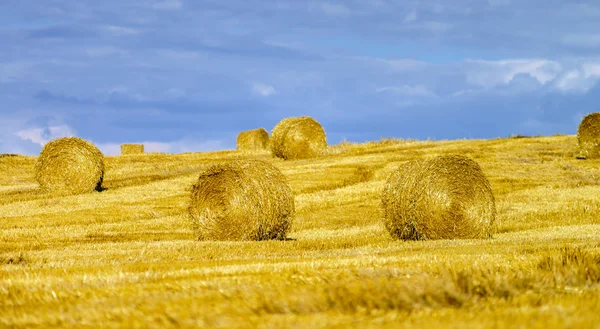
x=127 y=256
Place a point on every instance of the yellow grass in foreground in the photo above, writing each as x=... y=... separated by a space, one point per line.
x=127 y=256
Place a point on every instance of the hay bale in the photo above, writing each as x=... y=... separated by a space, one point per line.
x=242 y=200
x=127 y=149
x=298 y=138
x=447 y=197
x=70 y=165
x=253 y=140
x=588 y=136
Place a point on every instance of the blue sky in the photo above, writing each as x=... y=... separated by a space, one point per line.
x=183 y=75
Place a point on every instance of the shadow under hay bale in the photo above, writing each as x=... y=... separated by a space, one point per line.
x=447 y=197
x=298 y=138
x=128 y=149
x=588 y=137
x=253 y=140
x=70 y=165
x=242 y=200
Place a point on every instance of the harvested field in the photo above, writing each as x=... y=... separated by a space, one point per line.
x=129 y=257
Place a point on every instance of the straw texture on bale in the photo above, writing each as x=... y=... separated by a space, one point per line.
x=253 y=140
x=127 y=149
x=70 y=165
x=298 y=138
x=588 y=136
x=447 y=197
x=242 y=200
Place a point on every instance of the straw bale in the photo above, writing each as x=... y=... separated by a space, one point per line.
x=298 y=138
x=253 y=140
x=127 y=149
x=242 y=200
x=446 y=197
x=71 y=165
x=588 y=136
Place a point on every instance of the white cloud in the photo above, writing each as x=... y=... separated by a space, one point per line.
x=493 y=73
x=591 y=70
x=120 y=30
x=263 y=89
x=462 y=92
x=418 y=90
x=569 y=80
x=175 y=93
x=42 y=135
x=585 y=40
x=401 y=64
x=332 y=9
x=168 y=5
x=578 y=80
x=410 y=17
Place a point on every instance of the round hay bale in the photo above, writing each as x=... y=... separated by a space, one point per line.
x=253 y=140
x=70 y=165
x=278 y=135
x=127 y=149
x=447 y=197
x=242 y=200
x=588 y=136
x=298 y=138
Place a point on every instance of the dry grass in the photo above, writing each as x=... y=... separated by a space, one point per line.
x=70 y=165
x=127 y=257
x=128 y=149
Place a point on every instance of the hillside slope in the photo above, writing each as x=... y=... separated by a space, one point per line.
x=127 y=256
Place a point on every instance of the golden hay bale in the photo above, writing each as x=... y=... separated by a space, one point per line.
x=242 y=200
x=70 y=165
x=127 y=149
x=253 y=140
x=447 y=197
x=588 y=136
x=298 y=138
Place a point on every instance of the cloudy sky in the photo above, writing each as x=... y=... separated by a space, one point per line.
x=183 y=75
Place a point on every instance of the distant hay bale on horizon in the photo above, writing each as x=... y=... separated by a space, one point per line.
x=253 y=140
x=70 y=165
x=127 y=149
x=588 y=137
x=298 y=138
x=244 y=200
x=446 y=197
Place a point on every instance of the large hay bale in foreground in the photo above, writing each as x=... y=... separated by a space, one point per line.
x=447 y=197
x=70 y=165
x=242 y=200
x=253 y=140
x=588 y=136
x=298 y=138
x=127 y=149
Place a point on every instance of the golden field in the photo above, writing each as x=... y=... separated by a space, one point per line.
x=127 y=256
